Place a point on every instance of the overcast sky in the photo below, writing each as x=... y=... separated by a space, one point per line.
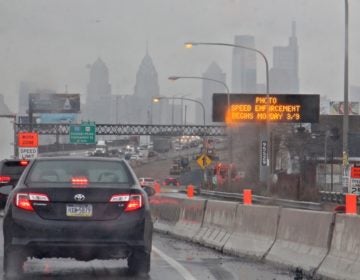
x=51 y=42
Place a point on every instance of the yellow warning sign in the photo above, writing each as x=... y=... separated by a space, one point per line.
x=204 y=161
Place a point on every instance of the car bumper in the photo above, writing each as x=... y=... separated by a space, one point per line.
x=82 y=240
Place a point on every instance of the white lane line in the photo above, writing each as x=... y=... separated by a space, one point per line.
x=178 y=267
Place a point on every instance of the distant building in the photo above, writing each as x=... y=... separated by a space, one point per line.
x=284 y=76
x=24 y=89
x=4 y=109
x=354 y=93
x=98 y=99
x=146 y=88
x=244 y=66
x=208 y=89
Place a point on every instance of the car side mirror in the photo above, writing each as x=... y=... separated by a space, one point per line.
x=149 y=190
x=6 y=189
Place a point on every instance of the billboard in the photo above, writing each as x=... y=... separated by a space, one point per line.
x=288 y=108
x=337 y=108
x=54 y=103
x=57 y=118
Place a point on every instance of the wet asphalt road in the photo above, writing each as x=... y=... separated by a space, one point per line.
x=171 y=259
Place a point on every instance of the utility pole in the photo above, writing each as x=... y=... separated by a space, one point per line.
x=346 y=99
x=12 y=116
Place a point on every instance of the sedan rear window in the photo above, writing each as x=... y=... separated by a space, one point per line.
x=13 y=168
x=70 y=171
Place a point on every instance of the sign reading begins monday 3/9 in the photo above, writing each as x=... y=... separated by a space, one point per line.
x=260 y=108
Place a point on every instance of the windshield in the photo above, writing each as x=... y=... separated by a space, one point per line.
x=201 y=100
x=73 y=171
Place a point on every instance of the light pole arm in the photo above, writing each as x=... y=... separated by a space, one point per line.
x=242 y=47
x=201 y=78
x=193 y=100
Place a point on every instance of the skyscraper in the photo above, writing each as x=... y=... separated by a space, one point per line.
x=284 y=76
x=209 y=88
x=146 y=88
x=4 y=109
x=244 y=66
x=24 y=89
x=98 y=100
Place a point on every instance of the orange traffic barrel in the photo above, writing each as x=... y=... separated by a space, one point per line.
x=247 y=196
x=157 y=187
x=190 y=191
x=351 y=203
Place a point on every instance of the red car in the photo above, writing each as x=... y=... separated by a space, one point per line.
x=170 y=181
x=10 y=172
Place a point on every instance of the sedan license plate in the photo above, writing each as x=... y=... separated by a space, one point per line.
x=79 y=210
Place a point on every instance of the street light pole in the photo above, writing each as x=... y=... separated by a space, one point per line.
x=346 y=94
x=327 y=134
x=191 y=44
x=157 y=99
x=172 y=112
x=174 y=78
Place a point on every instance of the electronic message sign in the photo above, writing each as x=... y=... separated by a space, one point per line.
x=291 y=108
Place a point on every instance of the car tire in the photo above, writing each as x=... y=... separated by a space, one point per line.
x=139 y=262
x=14 y=259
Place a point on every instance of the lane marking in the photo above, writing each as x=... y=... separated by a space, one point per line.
x=178 y=267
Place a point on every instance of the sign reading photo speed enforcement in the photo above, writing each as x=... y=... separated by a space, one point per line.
x=244 y=107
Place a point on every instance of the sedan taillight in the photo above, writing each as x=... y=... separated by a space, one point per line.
x=4 y=179
x=134 y=201
x=23 y=200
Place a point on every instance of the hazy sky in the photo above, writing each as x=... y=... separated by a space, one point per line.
x=51 y=42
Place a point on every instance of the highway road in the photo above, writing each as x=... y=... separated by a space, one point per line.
x=171 y=259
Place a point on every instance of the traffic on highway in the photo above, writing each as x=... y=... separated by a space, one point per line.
x=195 y=140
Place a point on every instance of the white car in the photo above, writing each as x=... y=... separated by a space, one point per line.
x=134 y=157
x=147 y=181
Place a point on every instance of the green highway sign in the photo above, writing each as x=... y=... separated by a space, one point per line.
x=82 y=133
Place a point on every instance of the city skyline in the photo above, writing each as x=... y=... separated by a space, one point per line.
x=103 y=32
x=244 y=70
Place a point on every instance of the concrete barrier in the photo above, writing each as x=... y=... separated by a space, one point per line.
x=254 y=232
x=191 y=216
x=165 y=212
x=302 y=239
x=218 y=224
x=343 y=260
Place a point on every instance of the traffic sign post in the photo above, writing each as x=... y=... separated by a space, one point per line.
x=83 y=133
x=28 y=152
x=28 y=139
x=28 y=143
x=203 y=161
x=354 y=184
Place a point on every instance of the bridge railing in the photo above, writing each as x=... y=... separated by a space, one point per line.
x=130 y=129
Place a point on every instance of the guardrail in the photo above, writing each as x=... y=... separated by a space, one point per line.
x=266 y=200
x=334 y=197
x=313 y=244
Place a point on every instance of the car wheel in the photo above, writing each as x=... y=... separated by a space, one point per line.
x=14 y=259
x=139 y=262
